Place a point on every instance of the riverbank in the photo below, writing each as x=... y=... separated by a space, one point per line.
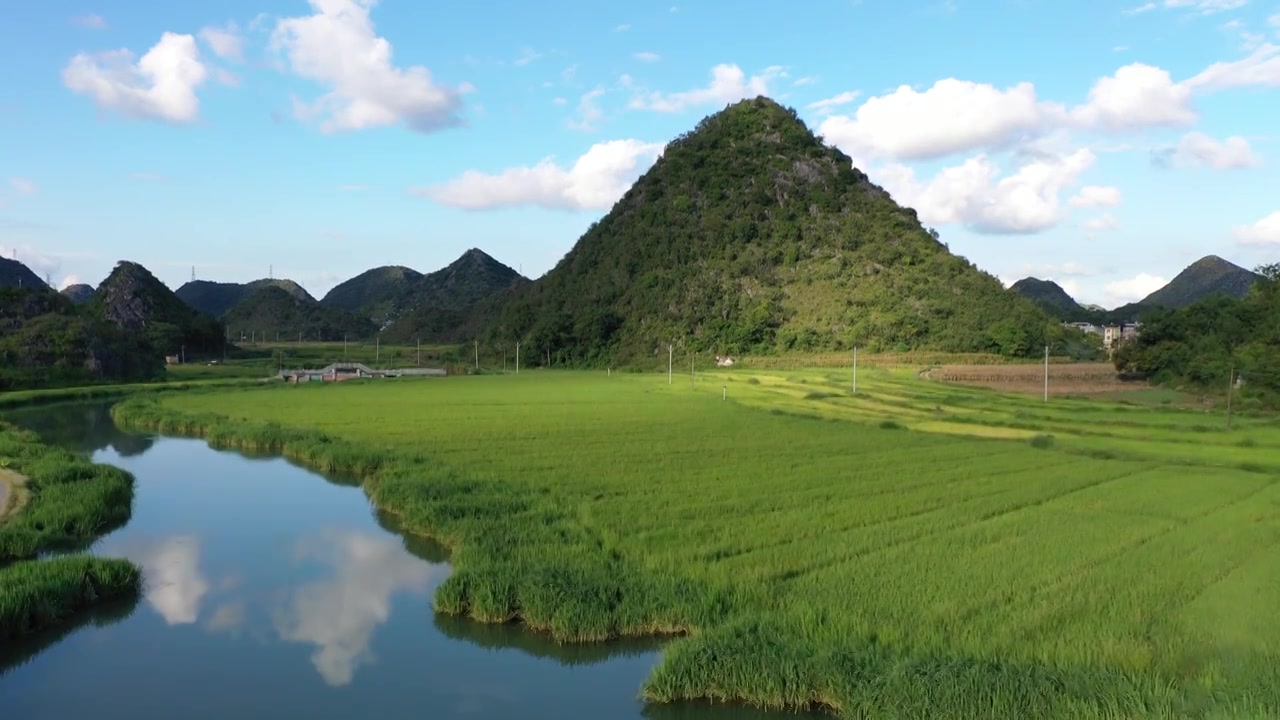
x=67 y=502
x=812 y=563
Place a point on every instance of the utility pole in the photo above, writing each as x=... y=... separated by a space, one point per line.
x=184 y=354
x=692 y=375
x=855 y=369
x=1231 y=386
x=1046 y=373
x=517 y=358
x=670 y=357
x=344 y=347
x=377 y=352
x=419 y=352
x=477 y=344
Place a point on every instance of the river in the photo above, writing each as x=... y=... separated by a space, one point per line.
x=272 y=591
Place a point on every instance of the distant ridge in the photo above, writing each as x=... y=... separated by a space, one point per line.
x=272 y=311
x=1050 y=297
x=217 y=298
x=441 y=306
x=132 y=299
x=14 y=274
x=1207 y=276
x=78 y=294
x=374 y=293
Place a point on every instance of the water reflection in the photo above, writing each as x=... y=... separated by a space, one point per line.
x=339 y=614
x=173 y=583
x=80 y=427
x=16 y=652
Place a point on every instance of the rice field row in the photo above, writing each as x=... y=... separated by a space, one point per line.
x=914 y=550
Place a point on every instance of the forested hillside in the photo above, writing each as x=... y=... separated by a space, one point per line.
x=750 y=235
x=132 y=299
x=274 y=312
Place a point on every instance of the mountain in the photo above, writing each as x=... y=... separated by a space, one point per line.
x=274 y=312
x=15 y=274
x=46 y=341
x=78 y=294
x=216 y=298
x=750 y=235
x=132 y=299
x=1050 y=297
x=373 y=293
x=1207 y=276
x=441 y=306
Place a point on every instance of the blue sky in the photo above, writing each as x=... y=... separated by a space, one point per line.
x=1105 y=145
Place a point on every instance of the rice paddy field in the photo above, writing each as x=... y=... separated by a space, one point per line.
x=914 y=550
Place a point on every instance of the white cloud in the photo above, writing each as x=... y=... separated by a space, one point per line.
x=1066 y=269
x=337 y=46
x=589 y=113
x=1093 y=226
x=175 y=585
x=973 y=194
x=560 y=101
x=807 y=80
x=622 y=28
x=1199 y=150
x=595 y=181
x=1120 y=292
x=23 y=186
x=527 y=55
x=1096 y=196
x=1263 y=232
x=1274 y=21
x=728 y=84
x=649 y=57
x=90 y=22
x=1261 y=68
x=68 y=281
x=1136 y=96
x=1138 y=10
x=225 y=42
x=161 y=85
x=827 y=104
x=952 y=116
x=339 y=614
x=1208 y=7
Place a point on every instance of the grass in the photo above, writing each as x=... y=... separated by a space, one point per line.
x=69 y=502
x=914 y=550
x=41 y=593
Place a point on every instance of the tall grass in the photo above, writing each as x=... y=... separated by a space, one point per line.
x=38 y=593
x=922 y=571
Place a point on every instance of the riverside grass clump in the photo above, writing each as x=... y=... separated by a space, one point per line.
x=36 y=594
x=947 y=569
x=71 y=502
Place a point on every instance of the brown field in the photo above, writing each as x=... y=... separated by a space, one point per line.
x=1064 y=378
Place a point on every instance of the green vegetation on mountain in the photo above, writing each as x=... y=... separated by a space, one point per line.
x=1201 y=343
x=217 y=298
x=1208 y=276
x=1049 y=297
x=374 y=293
x=751 y=235
x=46 y=341
x=78 y=294
x=134 y=300
x=15 y=274
x=445 y=306
x=273 y=312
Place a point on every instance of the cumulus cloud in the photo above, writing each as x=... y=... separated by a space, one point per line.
x=952 y=116
x=1096 y=196
x=225 y=42
x=90 y=22
x=1120 y=292
x=1260 y=69
x=973 y=194
x=728 y=84
x=595 y=181
x=339 y=615
x=1199 y=150
x=161 y=85
x=1263 y=232
x=1094 y=226
x=337 y=46
x=649 y=57
x=1136 y=96
x=1204 y=7
x=23 y=186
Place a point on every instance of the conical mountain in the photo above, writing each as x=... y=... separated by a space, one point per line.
x=14 y=274
x=373 y=293
x=1050 y=297
x=134 y=300
x=217 y=298
x=1207 y=276
x=273 y=312
x=751 y=235
x=78 y=294
x=441 y=306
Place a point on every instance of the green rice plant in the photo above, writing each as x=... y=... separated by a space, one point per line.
x=954 y=571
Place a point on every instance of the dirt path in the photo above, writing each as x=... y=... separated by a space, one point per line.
x=13 y=493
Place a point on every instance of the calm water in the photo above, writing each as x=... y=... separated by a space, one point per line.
x=272 y=591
